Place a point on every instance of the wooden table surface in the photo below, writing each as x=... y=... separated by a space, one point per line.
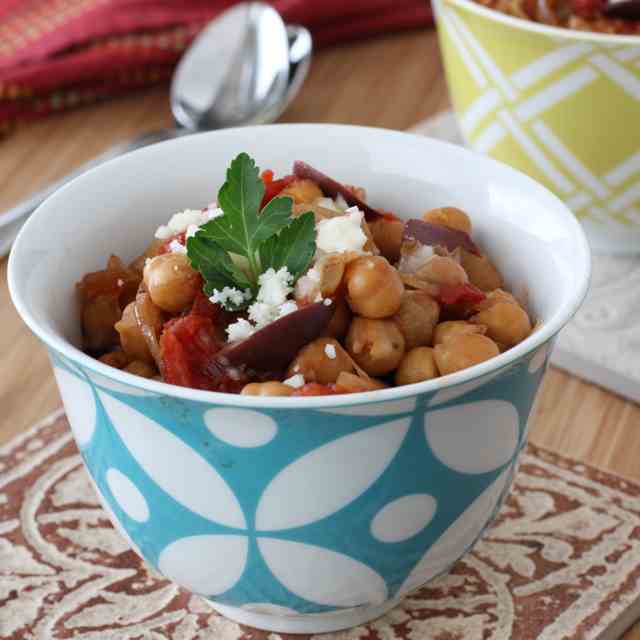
x=391 y=82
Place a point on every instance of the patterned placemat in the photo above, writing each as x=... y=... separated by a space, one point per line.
x=602 y=342
x=561 y=562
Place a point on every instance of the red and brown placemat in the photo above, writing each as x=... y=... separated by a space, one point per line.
x=561 y=562
x=58 y=54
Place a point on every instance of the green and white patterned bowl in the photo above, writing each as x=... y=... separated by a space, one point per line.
x=563 y=106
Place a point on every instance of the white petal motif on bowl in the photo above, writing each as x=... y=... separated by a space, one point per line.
x=79 y=404
x=322 y=576
x=174 y=466
x=476 y=437
x=127 y=495
x=458 y=536
x=403 y=518
x=206 y=564
x=241 y=427
x=335 y=474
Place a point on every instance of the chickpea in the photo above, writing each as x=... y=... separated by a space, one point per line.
x=442 y=270
x=416 y=318
x=464 y=351
x=117 y=359
x=171 y=281
x=353 y=383
x=302 y=191
x=387 y=235
x=321 y=361
x=339 y=323
x=272 y=388
x=451 y=329
x=99 y=316
x=507 y=323
x=376 y=345
x=374 y=288
x=493 y=297
x=140 y=368
x=481 y=271
x=417 y=365
x=132 y=339
x=451 y=217
x=331 y=269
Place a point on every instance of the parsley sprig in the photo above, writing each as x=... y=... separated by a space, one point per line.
x=232 y=250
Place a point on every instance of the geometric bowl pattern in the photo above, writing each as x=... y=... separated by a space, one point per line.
x=561 y=106
x=283 y=513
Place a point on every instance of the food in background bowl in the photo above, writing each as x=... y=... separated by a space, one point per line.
x=296 y=286
x=558 y=104
x=600 y=16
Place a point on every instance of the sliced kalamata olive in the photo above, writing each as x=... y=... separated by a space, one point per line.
x=333 y=188
x=624 y=9
x=271 y=349
x=438 y=235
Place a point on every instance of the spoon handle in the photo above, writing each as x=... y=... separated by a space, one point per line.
x=27 y=207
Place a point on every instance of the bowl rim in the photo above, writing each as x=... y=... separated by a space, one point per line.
x=565 y=311
x=544 y=29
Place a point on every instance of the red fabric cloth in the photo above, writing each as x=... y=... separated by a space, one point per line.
x=57 y=54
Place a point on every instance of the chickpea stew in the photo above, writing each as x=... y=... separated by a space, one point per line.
x=295 y=287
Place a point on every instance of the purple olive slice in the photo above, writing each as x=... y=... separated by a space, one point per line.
x=624 y=9
x=438 y=235
x=332 y=188
x=271 y=349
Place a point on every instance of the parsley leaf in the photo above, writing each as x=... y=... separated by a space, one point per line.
x=293 y=247
x=242 y=227
x=232 y=250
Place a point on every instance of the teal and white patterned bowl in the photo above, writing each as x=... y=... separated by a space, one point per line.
x=300 y=514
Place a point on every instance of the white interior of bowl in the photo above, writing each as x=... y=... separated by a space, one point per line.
x=534 y=239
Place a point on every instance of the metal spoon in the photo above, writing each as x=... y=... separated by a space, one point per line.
x=244 y=68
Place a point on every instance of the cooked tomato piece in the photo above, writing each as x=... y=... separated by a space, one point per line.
x=451 y=295
x=188 y=346
x=273 y=187
x=180 y=237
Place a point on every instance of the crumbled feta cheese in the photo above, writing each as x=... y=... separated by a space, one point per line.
x=230 y=294
x=262 y=313
x=413 y=259
x=275 y=286
x=296 y=381
x=240 y=330
x=308 y=285
x=330 y=351
x=177 y=247
x=286 y=308
x=271 y=302
x=183 y=220
x=342 y=233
